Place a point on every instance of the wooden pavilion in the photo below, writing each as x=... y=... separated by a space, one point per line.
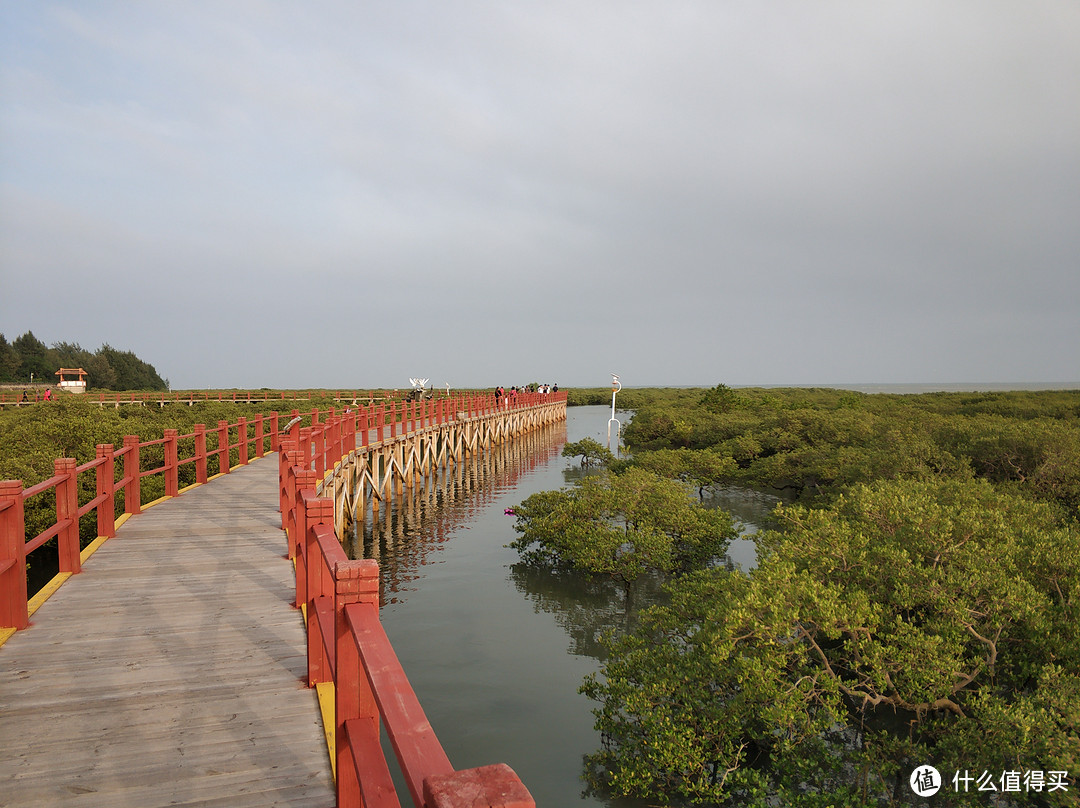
x=77 y=385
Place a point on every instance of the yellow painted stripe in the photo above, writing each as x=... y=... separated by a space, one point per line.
x=188 y=487
x=157 y=501
x=46 y=592
x=91 y=548
x=327 y=699
x=123 y=518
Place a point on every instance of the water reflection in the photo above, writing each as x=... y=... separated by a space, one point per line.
x=752 y=510
x=589 y=607
x=406 y=533
x=586 y=608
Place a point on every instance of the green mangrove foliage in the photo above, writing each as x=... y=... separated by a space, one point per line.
x=590 y=451
x=816 y=442
x=910 y=622
x=622 y=526
x=920 y=604
x=701 y=468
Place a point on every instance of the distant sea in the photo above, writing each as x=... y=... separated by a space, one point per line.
x=973 y=387
x=928 y=387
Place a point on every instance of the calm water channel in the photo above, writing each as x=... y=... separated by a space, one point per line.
x=496 y=654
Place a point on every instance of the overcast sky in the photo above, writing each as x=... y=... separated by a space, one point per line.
x=349 y=194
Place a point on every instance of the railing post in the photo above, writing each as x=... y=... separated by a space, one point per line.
x=132 y=489
x=67 y=510
x=333 y=441
x=303 y=482
x=294 y=432
x=350 y=433
x=274 y=431
x=224 y=461
x=242 y=440
x=283 y=477
x=106 y=488
x=260 y=436
x=13 y=555
x=200 y=453
x=354 y=582
x=318 y=512
x=318 y=434
x=305 y=446
x=380 y=420
x=172 y=463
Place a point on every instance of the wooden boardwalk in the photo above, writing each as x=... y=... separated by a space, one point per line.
x=170 y=671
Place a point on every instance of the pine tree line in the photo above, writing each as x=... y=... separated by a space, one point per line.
x=107 y=368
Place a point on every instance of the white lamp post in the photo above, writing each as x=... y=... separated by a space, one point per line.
x=616 y=386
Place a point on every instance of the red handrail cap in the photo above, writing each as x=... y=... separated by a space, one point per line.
x=495 y=786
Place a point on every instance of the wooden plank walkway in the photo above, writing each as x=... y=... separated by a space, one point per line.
x=170 y=671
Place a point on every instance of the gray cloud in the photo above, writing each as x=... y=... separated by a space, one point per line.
x=340 y=194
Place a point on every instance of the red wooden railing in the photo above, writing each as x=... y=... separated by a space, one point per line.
x=346 y=641
x=15 y=545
